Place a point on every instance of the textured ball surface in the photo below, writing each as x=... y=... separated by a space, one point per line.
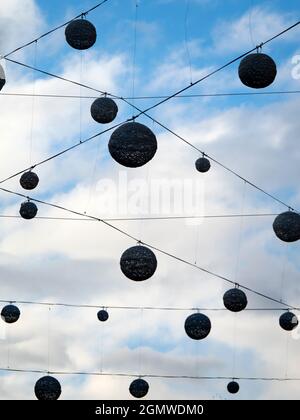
x=132 y=145
x=235 y=300
x=138 y=263
x=257 y=70
x=28 y=210
x=29 y=180
x=103 y=315
x=233 y=387
x=288 y=321
x=139 y=388
x=81 y=34
x=197 y=326
x=10 y=314
x=47 y=389
x=202 y=164
x=2 y=77
x=287 y=226
x=104 y=110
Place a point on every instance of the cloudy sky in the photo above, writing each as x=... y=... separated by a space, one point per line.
x=78 y=262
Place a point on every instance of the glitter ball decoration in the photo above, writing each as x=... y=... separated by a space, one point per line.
x=81 y=34
x=138 y=263
x=29 y=180
x=132 y=145
x=197 y=326
x=202 y=164
x=47 y=388
x=139 y=388
x=235 y=300
x=10 y=314
x=288 y=321
x=257 y=70
x=233 y=387
x=28 y=210
x=104 y=110
x=103 y=315
x=287 y=226
x=2 y=77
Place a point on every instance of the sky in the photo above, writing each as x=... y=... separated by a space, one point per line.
x=78 y=262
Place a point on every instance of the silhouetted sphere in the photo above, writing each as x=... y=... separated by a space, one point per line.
x=104 y=110
x=233 y=387
x=235 y=300
x=10 y=314
x=138 y=263
x=202 y=164
x=139 y=388
x=2 y=77
x=47 y=388
x=288 y=321
x=132 y=145
x=287 y=226
x=197 y=326
x=257 y=70
x=29 y=180
x=81 y=34
x=103 y=315
x=28 y=210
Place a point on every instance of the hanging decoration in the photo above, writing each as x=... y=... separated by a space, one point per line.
x=81 y=34
x=138 y=263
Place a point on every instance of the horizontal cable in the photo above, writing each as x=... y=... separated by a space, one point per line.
x=147 y=375
x=134 y=219
x=199 y=95
x=55 y=29
x=123 y=232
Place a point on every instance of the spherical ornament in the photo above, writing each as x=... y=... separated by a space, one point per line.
x=29 y=180
x=235 y=300
x=202 y=164
x=233 y=387
x=2 y=77
x=139 y=388
x=287 y=226
x=81 y=34
x=47 y=388
x=288 y=321
x=132 y=145
x=103 y=315
x=197 y=326
x=28 y=210
x=104 y=110
x=138 y=263
x=257 y=70
x=10 y=314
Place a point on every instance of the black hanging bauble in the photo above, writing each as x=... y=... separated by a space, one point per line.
x=10 y=314
x=235 y=300
x=2 y=77
x=288 y=321
x=139 y=388
x=132 y=145
x=138 y=263
x=202 y=164
x=102 y=315
x=233 y=387
x=28 y=210
x=81 y=34
x=197 y=326
x=287 y=226
x=104 y=110
x=29 y=180
x=47 y=388
x=257 y=70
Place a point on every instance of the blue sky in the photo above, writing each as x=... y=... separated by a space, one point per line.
x=79 y=262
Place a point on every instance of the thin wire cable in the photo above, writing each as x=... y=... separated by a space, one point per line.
x=168 y=254
x=134 y=52
x=32 y=108
x=157 y=122
x=55 y=29
x=130 y=375
x=186 y=28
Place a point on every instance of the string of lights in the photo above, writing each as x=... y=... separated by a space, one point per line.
x=125 y=233
x=82 y=14
x=153 y=376
x=138 y=308
x=191 y=96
